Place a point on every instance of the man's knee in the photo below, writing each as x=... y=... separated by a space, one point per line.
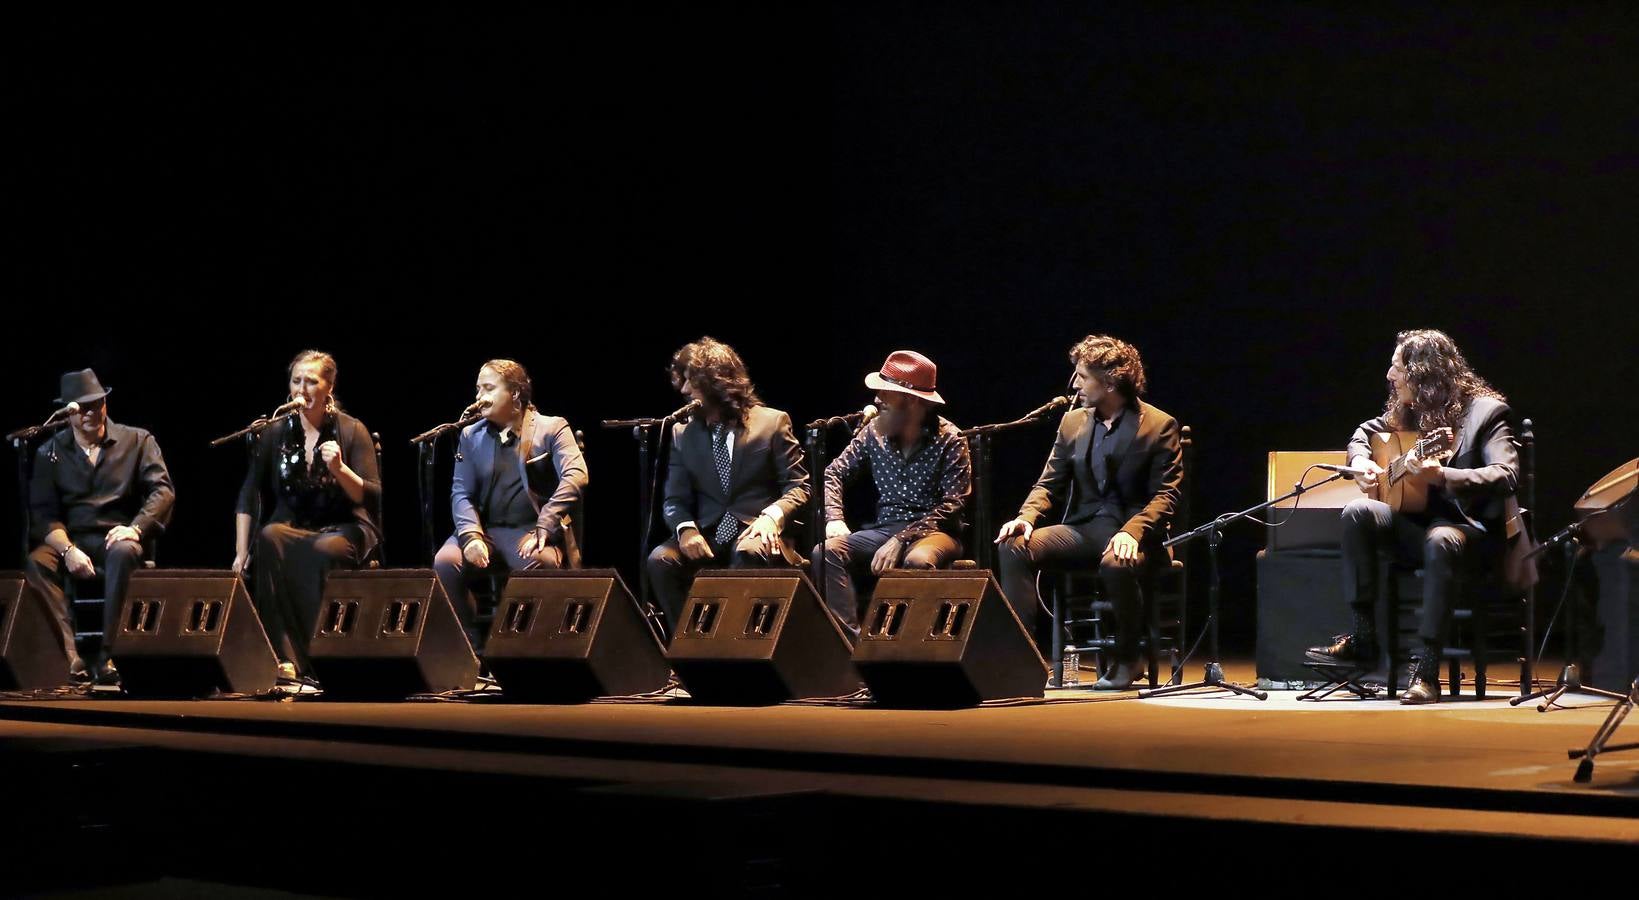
x=1111 y=570
x=1360 y=512
x=1016 y=552
x=124 y=552
x=43 y=561
x=1443 y=542
x=665 y=557
x=449 y=560
x=923 y=558
x=836 y=549
x=749 y=556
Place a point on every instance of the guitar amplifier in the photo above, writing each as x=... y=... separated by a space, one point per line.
x=1312 y=520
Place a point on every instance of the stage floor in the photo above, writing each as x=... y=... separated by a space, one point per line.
x=1459 y=767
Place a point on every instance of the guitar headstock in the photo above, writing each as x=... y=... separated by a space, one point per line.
x=1439 y=442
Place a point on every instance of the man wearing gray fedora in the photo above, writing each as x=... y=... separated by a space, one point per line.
x=99 y=495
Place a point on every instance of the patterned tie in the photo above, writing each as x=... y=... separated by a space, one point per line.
x=729 y=526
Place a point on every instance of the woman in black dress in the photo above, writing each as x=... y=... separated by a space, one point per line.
x=318 y=467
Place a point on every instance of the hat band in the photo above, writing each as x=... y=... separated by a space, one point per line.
x=904 y=384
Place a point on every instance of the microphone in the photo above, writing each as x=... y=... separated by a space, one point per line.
x=67 y=410
x=292 y=406
x=1051 y=406
x=686 y=411
x=477 y=407
x=1349 y=472
x=867 y=414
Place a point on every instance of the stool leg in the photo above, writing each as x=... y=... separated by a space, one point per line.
x=1058 y=634
x=1152 y=622
x=1482 y=645
x=1389 y=587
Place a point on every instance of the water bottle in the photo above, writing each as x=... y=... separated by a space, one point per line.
x=1072 y=669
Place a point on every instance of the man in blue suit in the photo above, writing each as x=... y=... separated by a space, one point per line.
x=510 y=514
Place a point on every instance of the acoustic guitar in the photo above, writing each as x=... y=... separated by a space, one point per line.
x=1401 y=486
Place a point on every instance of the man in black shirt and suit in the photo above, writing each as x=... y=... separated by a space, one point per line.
x=1113 y=477
x=99 y=495
x=734 y=481
x=1465 y=522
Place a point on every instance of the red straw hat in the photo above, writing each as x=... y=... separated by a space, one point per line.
x=907 y=372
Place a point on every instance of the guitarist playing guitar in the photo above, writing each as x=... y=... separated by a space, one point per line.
x=1441 y=470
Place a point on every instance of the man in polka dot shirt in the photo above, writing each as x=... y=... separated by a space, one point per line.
x=920 y=465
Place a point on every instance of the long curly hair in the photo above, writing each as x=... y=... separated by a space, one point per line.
x=718 y=375
x=1118 y=359
x=1440 y=379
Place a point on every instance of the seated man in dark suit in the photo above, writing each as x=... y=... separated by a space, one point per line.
x=509 y=514
x=1464 y=523
x=734 y=481
x=1113 y=476
x=100 y=494
x=919 y=463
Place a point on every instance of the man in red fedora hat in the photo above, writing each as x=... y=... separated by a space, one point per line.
x=100 y=494
x=1111 y=485
x=920 y=465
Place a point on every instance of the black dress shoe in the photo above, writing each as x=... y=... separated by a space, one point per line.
x=1423 y=684
x=107 y=674
x=1345 y=649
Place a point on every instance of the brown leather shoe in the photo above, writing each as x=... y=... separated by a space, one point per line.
x=1345 y=649
x=1423 y=686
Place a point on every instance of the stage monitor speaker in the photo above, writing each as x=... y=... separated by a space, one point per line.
x=566 y=636
x=32 y=655
x=190 y=633
x=1310 y=520
x=942 y=639
x=388 y=633
x=759 y=636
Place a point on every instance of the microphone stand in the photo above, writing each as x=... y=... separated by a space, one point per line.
x=426 y=460
x=253 y=454
x=979 y=447
x=1214 y=534
x=643 y=431
x=1570 y=680
x=814 y=446
x=21 y=441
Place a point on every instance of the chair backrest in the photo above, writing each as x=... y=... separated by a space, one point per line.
x=378 y=555
x=577 y=522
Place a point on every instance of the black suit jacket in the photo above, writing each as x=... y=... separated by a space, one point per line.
x=767 y=470
x=1146 y=460
x=1483 y=472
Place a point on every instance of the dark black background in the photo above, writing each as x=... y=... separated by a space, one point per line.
x=1258 y=197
